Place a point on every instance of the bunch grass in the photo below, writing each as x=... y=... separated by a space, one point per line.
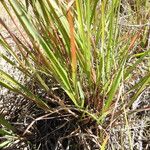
x=79 y=45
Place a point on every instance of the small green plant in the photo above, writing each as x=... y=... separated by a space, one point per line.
x=80 y=45
x=7 y=132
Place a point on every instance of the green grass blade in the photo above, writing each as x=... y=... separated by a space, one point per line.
x=60 y=72
x=130 y=69
x=143 y=82
x=4 y=144
x=10 y=83
x=114 y=87
x=5 y=123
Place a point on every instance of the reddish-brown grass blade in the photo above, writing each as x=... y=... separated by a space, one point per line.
x=133 y=40
x=72 y=40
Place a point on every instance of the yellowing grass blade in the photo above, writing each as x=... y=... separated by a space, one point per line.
x=104 y=144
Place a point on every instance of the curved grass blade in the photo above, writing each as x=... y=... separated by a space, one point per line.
x=10 y=83
x=58 y=69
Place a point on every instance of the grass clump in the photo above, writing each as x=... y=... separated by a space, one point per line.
x=81 y=47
